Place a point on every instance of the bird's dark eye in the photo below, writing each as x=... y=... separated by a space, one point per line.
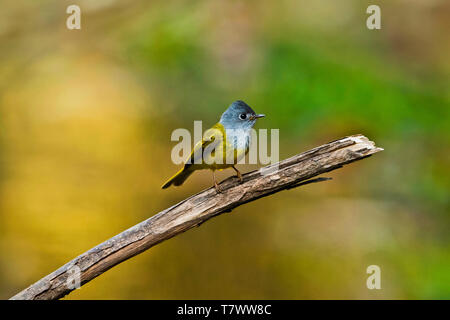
x=242 y=116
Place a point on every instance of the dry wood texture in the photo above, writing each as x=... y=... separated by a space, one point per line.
x=198 y=208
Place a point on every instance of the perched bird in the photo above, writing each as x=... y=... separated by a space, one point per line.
x=222 y=146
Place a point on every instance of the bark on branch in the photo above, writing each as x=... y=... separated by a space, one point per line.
x=195 y=210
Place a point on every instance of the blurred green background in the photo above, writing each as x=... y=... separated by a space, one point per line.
x=86 y=117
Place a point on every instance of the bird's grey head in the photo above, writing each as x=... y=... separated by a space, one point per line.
x=239 y=116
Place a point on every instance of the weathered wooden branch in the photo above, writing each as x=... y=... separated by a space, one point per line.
x=198 y=208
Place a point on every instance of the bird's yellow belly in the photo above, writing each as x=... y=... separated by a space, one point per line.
x=222 y=157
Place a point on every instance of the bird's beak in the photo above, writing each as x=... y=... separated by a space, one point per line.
x=257 y=116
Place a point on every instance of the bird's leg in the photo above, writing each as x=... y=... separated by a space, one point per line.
x=239 y=175
x=215 y=182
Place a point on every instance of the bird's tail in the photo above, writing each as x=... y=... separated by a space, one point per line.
x=178 y=178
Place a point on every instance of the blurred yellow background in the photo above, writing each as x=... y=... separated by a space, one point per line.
x=86 y=117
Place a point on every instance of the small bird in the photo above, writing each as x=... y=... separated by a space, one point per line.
x=222 y=146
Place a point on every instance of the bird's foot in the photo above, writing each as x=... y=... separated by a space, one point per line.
x=215 y=183
x=216 y=186
x=239 y=175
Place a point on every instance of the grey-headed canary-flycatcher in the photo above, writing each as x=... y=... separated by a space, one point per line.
x=222 y=146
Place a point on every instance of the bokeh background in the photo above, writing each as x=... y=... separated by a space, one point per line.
x=86 y=118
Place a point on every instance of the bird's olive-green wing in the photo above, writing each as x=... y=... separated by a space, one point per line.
x=213 y=135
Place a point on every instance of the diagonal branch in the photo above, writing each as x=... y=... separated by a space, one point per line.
x=195 y=210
